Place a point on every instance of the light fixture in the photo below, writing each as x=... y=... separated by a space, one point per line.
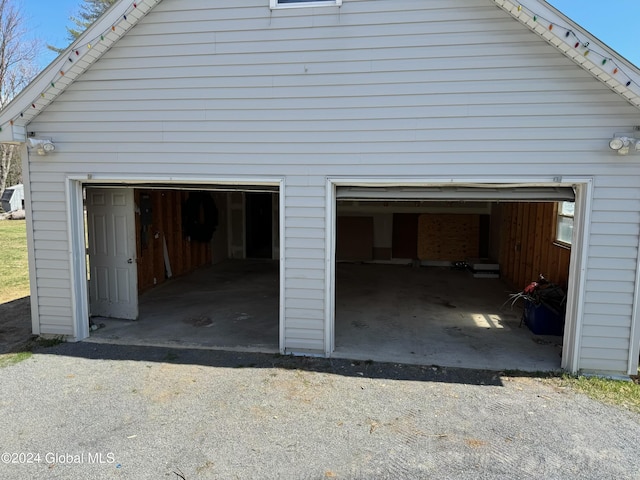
x=622 y=143
x=624 y=150
x=42 y=146
x=48 y=146
x=617 y=143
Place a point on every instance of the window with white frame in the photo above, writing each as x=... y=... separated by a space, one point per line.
x=564 y=225
x=303 y=3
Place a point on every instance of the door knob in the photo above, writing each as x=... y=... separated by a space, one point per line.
x=130 y=260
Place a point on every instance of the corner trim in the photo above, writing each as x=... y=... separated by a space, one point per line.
x=634 y=347
x=77 y=259
x=33 y=284
x=282 y=238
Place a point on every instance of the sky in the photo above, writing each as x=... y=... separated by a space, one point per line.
x=47 y=20
x=612 y=21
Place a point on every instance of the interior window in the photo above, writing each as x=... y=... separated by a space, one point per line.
x=564 y=225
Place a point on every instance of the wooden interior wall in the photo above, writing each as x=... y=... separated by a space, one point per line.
x=166 y=223
x=527 y=247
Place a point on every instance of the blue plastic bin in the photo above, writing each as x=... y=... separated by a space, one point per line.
x=541 y=320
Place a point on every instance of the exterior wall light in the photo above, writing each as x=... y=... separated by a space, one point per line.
x=623 y=144
x=48 y=147
x=42 y=146
x=617 y=143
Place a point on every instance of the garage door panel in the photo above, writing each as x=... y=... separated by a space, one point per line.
x=484 y=192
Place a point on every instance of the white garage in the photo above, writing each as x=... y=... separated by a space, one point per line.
x=357 y=136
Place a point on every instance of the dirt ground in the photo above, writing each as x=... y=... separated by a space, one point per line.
x=15 y=327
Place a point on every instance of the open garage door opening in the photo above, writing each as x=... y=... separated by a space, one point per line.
x=427 y=275
x=184 y=265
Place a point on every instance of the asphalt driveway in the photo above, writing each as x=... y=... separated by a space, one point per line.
x=89 y=411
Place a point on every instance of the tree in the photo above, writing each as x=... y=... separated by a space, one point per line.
x=17 y=69
x=89 y=12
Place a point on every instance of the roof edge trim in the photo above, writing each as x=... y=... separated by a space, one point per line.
x=592 y=55
x=94 y=42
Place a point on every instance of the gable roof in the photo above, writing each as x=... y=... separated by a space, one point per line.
x=88 y=48
x=569 y=38
x=574 y=42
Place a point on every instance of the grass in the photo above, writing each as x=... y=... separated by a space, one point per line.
x=8 y=359
x=613 y=392
x=46 y=342
x=14 y=267
x=26 y=351
x=625 y=394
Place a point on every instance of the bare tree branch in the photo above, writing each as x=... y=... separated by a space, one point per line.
x=17 y=69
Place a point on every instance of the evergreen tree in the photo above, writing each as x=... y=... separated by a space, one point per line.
x=89 y=12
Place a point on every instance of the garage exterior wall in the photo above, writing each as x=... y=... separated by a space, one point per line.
x=377 y=89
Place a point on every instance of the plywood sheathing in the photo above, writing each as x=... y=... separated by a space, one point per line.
x=448 y=237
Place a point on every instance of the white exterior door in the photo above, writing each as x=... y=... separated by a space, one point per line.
x=113 y=281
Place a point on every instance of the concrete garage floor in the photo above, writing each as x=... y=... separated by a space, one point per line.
x=393 y=313
x=233 y=305
x=434 y=316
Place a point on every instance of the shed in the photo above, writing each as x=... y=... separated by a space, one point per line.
x=13 y=198
x=316 y=178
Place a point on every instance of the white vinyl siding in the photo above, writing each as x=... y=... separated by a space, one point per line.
x=377 y=88
x=51 y=246
x=611 y=274
x=305 y=268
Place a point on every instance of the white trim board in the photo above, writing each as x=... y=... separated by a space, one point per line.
x=33 y=286
x=76 y=228
x=634 y=347
x=275 y=4
x=575 y=290
x=78 y=259
x=281 y=239
x=577 y=277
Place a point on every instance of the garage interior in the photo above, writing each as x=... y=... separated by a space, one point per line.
x=411 y=283
x=407 y=286
x=195 y=291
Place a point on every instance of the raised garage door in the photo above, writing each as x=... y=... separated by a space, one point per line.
x=484 y=193
x=436 y=237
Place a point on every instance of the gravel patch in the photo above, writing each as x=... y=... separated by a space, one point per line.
x=96 y=411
